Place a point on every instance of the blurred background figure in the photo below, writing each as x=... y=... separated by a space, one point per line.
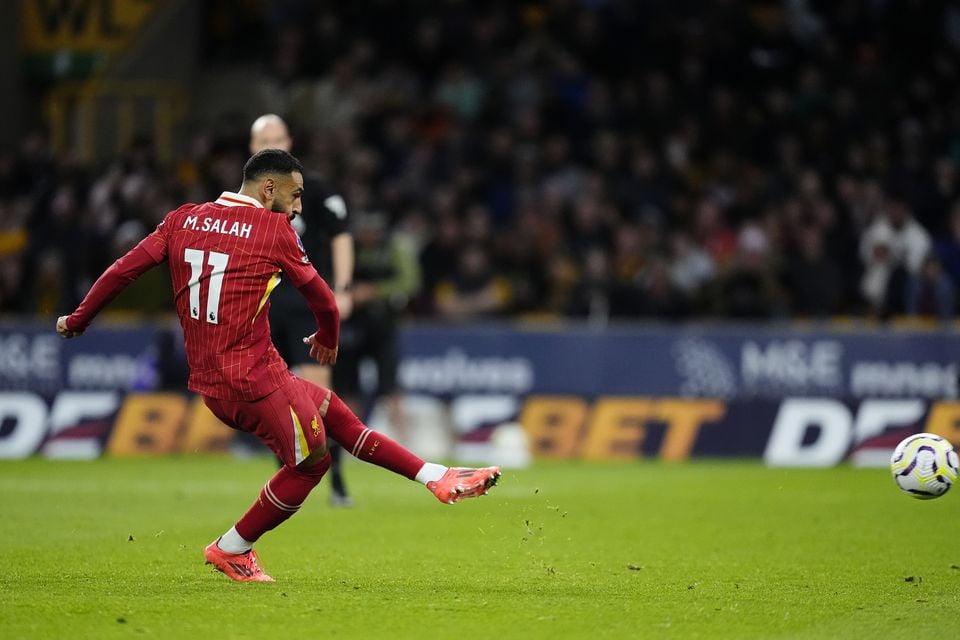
x=386 y=279
x=592 y=298
x=930 y=292
x=894 y=248
x=811 y=277
x=748 y=288
x=947 y=245
x=474 y=289
x=879 y=263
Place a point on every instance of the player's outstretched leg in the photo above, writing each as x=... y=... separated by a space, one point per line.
x=449 y=485
x=458 y=483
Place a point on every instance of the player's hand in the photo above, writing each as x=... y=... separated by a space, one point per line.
x=344 y=303
x=64 y=331
x=320 y=353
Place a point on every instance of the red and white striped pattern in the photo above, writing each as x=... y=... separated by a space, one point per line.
x=362 y=440
x=275 y=501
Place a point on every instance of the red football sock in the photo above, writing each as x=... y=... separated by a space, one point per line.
x=280 y=499
x=370 y=446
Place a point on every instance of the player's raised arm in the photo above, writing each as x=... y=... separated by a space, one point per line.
x=148 y=253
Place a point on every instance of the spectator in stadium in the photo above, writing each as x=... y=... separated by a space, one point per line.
x=930 y=293
x=657 y=296
x=879 y=262
x=523 y=254
x=690 y=266
x=748 y=288
x=812 y=279
x=712 y=232
x=224 y=259
x=910 y=240
x=324 y=230
x=593 y=297
x=893 y=249
x=947 y=245
x=475 y=289
x=438 y=257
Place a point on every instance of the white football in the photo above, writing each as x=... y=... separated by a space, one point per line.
x=924 y=465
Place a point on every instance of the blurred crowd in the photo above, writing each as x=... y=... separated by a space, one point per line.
x=597 y=159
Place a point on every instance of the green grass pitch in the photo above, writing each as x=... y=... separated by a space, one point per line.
x=113 y=549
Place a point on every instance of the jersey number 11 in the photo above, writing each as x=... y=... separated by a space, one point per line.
x=195 y=258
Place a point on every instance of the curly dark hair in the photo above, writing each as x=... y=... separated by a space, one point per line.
x=268 y=161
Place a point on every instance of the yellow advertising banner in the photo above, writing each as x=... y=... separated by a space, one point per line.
x=82 y=26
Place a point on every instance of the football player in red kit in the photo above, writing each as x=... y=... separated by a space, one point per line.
x=225 y=257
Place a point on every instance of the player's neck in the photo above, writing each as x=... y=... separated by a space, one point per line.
x=250 y=192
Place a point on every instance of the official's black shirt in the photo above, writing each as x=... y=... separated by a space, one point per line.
x=324 y=217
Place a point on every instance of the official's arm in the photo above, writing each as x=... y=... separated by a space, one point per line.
x=342 y=257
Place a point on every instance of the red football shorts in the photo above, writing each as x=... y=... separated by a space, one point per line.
x=289 y=420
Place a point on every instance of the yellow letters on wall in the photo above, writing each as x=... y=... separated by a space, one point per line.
x=148 y=424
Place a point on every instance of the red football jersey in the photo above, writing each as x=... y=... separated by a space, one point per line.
x=225 y=257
